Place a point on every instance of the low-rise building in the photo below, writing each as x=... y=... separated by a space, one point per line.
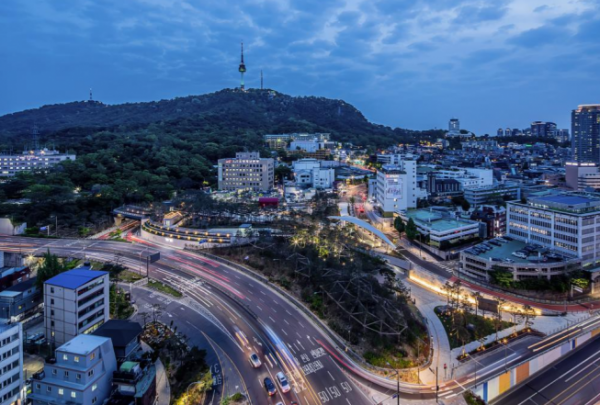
x=468 y=177
x=80 y=373
x=310 y=173
x=75 y=302
x=495 y=193
x=247 y=171
x=494 y=218
x=21 y=300
x=124 y=334
x=444 y=229
x=40 y=159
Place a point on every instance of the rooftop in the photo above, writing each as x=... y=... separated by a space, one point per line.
x=506 y=250
x=83 y=344
x=436 y=221
x=75 y=278
x=121 y=332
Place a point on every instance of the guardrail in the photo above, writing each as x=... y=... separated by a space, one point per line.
x=331 y=334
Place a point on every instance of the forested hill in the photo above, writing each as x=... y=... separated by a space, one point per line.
x=230 y=113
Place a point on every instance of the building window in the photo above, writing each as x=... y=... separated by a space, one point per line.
x=52 y=290
x=51 y=301
x=76 y=359
x=92 y=356
x=94 y=387
x=61 y=391
x=73 y=394
x=49 y=388
x=54 y=372
x=78 y=376
x=65 y=357
x=66 y=374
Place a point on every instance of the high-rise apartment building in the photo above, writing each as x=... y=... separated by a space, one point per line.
x=454 y=125
x=75 y=302
x=396 y=189
x=585 y=133
x=543 y=129
x=81 y=372
x=248 y=171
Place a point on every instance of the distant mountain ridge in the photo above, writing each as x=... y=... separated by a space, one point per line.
x=257 y=111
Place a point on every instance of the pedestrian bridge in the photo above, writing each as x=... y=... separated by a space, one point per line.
x=368 y=227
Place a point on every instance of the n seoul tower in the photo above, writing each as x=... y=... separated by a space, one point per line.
x=242 y=68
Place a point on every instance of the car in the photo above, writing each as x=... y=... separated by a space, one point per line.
x=269 y=386
x=507 y=260
x=279 y=403
x=283 y=382
x=254 y=361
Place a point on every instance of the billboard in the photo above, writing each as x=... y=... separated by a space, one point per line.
x=393 y=188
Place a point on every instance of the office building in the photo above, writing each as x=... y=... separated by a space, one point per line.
x=11 y=363
x=80 y=373
x=278 y=142
x=454 y=125
x=578 y=176
x=468 y=177
x=246 y=172
x=493 y=194
x=396 y=188
x=39 y=159
x=75 y=302
x=310 y=173
x=543 y=129
x=585 y=131
x=567 y=223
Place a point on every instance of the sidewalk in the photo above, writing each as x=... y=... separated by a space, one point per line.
x=163 y=389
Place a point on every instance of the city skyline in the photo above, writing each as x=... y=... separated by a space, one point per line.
x=482 y=64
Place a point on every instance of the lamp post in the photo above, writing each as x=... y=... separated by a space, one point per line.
x=397 y=384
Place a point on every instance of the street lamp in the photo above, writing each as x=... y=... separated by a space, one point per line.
x=398 y=383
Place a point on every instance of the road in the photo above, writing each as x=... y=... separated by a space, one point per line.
x=251 y=316
x=254 y=317
x=574 y=380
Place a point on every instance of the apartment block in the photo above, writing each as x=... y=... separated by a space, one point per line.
x=75 y=302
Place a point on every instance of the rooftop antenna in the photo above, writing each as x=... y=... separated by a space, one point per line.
x=91 y=98
x=242 y=68
x=261 y=80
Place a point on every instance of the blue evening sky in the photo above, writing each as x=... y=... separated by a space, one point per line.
x=407 y=63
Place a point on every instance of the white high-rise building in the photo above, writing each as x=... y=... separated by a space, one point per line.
x=396 y=188
x=75 y=302
x=11 y=363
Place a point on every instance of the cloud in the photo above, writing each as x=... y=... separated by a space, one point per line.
x=406 y=54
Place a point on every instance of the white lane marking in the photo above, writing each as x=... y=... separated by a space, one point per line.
x=261 y=300
x=288 y=312
x=272 y=320
x=581 y=371
x=330 y=375
x=262 y=292
x=306 y=400
x=259 y=307
x=284 y=332
x=274 y=310
x=250 y=291
x=300 y=345
x=301 y=324
x=349 y=403
x=299 y=335
x=236 y=276
x=285 y=320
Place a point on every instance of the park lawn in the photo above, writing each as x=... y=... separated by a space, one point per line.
x=158 y=286
x=482 y=327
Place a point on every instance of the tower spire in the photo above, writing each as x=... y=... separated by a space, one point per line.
x=261 y=80
x=242 y=68
x=91 y=98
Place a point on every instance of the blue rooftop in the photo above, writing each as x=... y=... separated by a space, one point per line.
x=566 y=199
x=75 y=278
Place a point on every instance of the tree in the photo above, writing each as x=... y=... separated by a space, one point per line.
x=476 y=296
x=465 y=205
x=528 y=316
x=50 y=267
x=399 y=225
x=411 y=229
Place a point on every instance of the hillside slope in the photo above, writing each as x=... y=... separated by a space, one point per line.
x=255 y=111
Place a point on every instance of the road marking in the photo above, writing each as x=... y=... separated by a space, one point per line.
x=288 y=312
x=285 y=320
x=262 y=292
x=274 y=310
x=299 y=335
x=301 y=324
x=330 y=375
x=347 y=400
x=300 y=344
x=306 y=400
x=273 y=320
x=291 y=348
x=581 y=371
x=284 y=332
x=261 y=300
x=259 y=307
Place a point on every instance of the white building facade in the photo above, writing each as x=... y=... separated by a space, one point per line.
x=311 y=173
x=396 y=189
x=11 y=363
x=468 y=177
x=81 y=373
x=75 y=302
x=41 y=159
x=248 y=171
x=567 y=223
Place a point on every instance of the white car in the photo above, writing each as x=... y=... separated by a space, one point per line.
x=283 y=382
x=255 y=361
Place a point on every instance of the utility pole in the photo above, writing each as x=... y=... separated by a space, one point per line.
x=437 y=386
